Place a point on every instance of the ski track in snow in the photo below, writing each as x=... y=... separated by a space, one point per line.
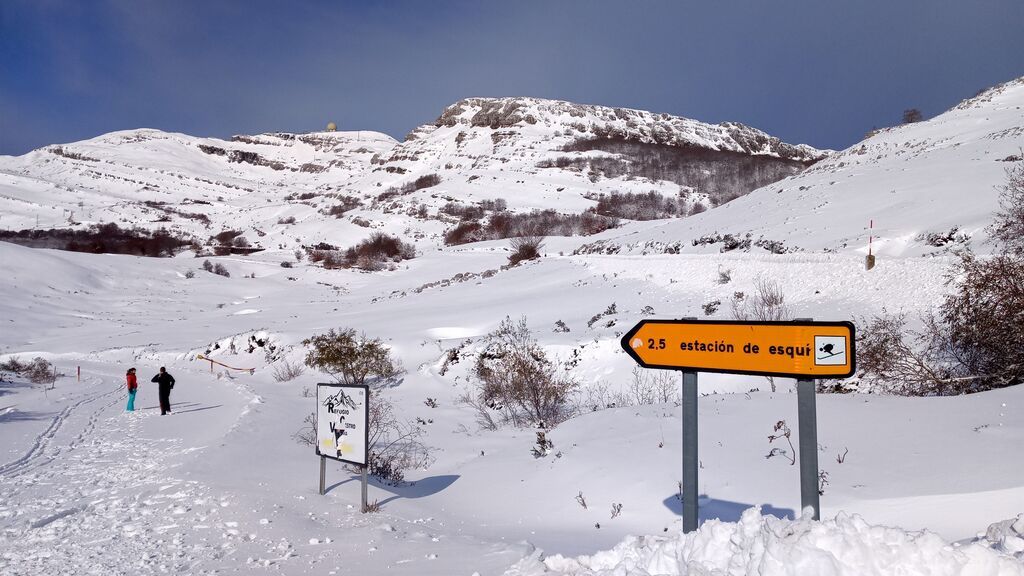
x=42 y=452
x=93 y=504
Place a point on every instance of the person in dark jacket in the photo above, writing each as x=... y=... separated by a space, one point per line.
x=166 y=382
x=133 y=384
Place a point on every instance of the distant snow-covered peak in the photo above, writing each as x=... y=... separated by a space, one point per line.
x=620 y=123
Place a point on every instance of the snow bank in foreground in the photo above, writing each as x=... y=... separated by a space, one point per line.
x=768 y=546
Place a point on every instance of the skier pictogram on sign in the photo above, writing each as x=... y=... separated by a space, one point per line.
x=829 y=350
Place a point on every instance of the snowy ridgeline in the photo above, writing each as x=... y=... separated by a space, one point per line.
x=767 y=546
x=929 y=187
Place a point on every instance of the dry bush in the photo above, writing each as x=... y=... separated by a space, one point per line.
x=307 y=434
x=982 y=321
x=1008 y=228
x=375 y=251
x=537 y=223
x=517 y=380
x=482 y=411
x=394 y=443
x=649 y=206
x=651 y=387
x=38 y=371
x=102 y=238
x=525 y=248
x=890 y=356
x=766 y=304
x=285 y=371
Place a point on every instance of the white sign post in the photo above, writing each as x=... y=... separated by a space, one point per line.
x=342 y=427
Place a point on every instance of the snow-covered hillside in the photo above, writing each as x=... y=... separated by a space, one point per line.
x=284 y=190
x=223 y=486
x=927 y=186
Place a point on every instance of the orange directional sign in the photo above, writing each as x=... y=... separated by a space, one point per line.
x=791 y=349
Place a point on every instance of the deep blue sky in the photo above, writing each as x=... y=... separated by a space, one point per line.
x=819 y=72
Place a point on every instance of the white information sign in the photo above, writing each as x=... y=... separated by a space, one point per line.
x=342 y=415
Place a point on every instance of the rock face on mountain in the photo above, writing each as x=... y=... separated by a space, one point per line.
x=713 y=163
x=621 y=124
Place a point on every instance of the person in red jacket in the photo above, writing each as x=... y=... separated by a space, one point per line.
x=133 y=385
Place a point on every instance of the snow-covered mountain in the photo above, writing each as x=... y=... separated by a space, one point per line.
x=223 y=486
x=927 y=187
x=339 y=186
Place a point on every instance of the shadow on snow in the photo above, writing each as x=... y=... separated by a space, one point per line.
x=725 y=510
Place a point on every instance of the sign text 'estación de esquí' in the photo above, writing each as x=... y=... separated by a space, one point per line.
x=794 y=349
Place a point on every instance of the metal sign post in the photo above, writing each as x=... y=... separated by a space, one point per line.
x=807 y=424
x=365 y=469
x=690 y=461
x=808 y=430
x=323 y=475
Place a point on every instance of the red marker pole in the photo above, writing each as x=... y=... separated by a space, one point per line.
x=869 y=261
x=79 y=373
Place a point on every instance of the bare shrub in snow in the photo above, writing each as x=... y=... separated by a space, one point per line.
x=901 y=360
x=525 y=248
x=616 y=510
x=285 y=371
x=711 y=307
x=542 y=447
x=537 y=223
x=912 y=115
x=395 y=447
x=649 y=206
x=220 y=270
x=307 y=434
x=983 y=320
x=781 y=430
x=13 y=365
x=650 y=387
x=517 y=379
x=1008 y=227
x=581 y=500
x=38 y=371
x=378 y=249
x=482 y=409
x=766 y=304
x=611 y=310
